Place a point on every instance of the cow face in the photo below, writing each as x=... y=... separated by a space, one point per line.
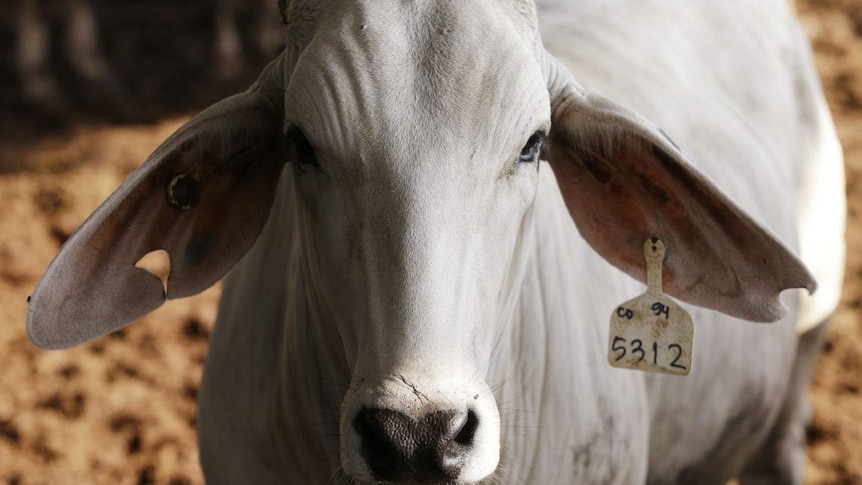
x=415 y=133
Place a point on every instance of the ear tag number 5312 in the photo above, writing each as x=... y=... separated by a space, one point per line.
x=651 y=332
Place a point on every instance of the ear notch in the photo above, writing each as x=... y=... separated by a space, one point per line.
x=624 y=181
x=203 y=196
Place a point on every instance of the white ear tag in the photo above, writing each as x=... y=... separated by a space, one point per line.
x=651 y=332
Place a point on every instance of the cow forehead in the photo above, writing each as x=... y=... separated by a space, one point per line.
x=407 y=78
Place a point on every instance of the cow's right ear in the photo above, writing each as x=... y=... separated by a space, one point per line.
x=624 y=181
x=203 y=197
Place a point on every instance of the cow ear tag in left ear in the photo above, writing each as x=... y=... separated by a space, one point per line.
x=651 y=332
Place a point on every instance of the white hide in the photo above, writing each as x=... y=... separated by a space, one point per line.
x=822 y=213
x=567 y=417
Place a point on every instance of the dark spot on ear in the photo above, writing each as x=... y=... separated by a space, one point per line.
x=657 y=193
x=183 y=192
x=673 y=166
x=597 y=168
x=28 y=298
x=615 y=188
x=200 y=249
x=719 y=211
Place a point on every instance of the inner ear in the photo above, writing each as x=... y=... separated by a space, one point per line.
x=157 y=263
x=624 y=181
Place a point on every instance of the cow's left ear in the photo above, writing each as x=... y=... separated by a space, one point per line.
x=203 y=197
x=624 y=181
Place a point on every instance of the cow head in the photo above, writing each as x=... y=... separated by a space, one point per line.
x=414 y=131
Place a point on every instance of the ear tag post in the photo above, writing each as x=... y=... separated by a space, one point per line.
x=651 y=332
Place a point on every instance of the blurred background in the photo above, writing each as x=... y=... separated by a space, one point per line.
x=68 y=62
x=89 y=88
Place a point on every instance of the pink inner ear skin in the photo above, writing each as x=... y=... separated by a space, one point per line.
x=717 y=256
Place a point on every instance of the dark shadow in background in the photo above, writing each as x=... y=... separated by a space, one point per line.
x=161 y=52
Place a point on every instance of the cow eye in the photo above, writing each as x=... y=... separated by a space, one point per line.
x=300 y=150
x=531 y=150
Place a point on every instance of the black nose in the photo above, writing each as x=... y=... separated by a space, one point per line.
x=432 y=449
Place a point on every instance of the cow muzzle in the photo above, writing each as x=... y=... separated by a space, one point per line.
x=398 y=448
x=410 y=437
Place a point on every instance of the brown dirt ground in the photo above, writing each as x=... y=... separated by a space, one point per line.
x=121 y=410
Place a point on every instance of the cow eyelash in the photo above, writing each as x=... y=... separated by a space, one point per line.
x=530 y=152
x=300 y=151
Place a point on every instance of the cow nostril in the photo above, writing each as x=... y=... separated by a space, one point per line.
x=457 y=447
x=468 y=430
x=375 y=432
